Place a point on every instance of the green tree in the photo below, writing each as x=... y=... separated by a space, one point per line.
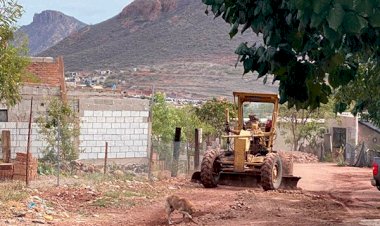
x=305 y=126
x=166 y=117
x=311 y=47
x=60 y=118
x=213 y=113
x=12 y=60
x=362 y=95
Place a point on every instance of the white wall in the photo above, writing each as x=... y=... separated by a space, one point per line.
x=125 y=131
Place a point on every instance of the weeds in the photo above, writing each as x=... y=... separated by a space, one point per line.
x=13 y=191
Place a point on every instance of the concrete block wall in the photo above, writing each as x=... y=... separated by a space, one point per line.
x=19 y=138
x=122 y=122
x=125 y=131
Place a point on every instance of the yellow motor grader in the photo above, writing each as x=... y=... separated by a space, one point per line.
x=248 y=158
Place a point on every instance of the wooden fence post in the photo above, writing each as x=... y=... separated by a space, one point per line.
x=6 y=145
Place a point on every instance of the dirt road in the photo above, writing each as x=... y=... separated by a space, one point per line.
x=328 y=195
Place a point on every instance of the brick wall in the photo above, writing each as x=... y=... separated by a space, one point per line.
x=48 y=70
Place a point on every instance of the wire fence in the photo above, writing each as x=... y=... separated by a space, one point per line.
x=163 y=157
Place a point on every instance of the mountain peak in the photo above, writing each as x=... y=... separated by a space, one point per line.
x=48 y=28
x=147 y=10
x=49 y=16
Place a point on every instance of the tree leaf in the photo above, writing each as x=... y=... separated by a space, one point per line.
x=315 y=20
x=234 y=29
x=335 y=17
x=320 y=5
x=364 y=7
x=353 y=23
x=374 y=19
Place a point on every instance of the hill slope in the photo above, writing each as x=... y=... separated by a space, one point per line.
x=47 y=29
x=149 y=32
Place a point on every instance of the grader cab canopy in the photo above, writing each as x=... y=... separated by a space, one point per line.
x=248 y=158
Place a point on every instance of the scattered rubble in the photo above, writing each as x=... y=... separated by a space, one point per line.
x=302 y=157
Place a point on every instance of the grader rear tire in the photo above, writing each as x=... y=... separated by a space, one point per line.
x=210 y=169
x=271 y=172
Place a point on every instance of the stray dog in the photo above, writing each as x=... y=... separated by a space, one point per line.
x=183 y=206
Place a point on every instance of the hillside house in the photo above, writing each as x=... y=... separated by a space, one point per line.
x=106 y=117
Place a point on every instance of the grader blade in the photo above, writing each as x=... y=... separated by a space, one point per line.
x=289 y=182
x=247 y=180
x=239 y=180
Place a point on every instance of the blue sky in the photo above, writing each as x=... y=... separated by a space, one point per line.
x=87 y=11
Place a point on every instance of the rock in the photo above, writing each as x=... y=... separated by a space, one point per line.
x=38 y=221
x=118 y=173
x=48 y=217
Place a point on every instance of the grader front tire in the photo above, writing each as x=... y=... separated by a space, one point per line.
x=271 y=172
x=210 y=169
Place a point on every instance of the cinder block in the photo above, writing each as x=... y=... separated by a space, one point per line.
x=88 y=113
x=135 y=113
x=141 y=154
x=100 y=119
x=92 y=155
x=88 y=137
x=91 y=143
x=138 y=119
x=128 y=143
x=135 y=137
x=98 y=137
x=125 y=137
x=120 y=155
x=98 y=113
x=97 y=125
x=128 y=119
x=119 y=119
x=91 y=119
x=137 y=142
x=143 y=125
x=116 y=125
x=116 y=113
x=138 y=131
x=144 y=113
x=111 y=155
x=101 y=131
x=110 y=119
x=101 y=155
x=125 y=113
x=134 y=125
x=83 y=155
x=107 y=113
x=129 y=131
x=119 y=131
x=129 y=154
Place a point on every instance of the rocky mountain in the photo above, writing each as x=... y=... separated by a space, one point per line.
x=150 y=32
x=169 y=44
x=47 y=29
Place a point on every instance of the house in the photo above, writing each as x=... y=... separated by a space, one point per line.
x=103 y=117
x=369 y=134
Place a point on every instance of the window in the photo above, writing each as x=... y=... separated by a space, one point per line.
x=3 y=115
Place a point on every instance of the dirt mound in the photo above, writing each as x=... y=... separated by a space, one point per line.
x=301 y=157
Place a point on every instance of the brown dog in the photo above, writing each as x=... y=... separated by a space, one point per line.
x=183 y=206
